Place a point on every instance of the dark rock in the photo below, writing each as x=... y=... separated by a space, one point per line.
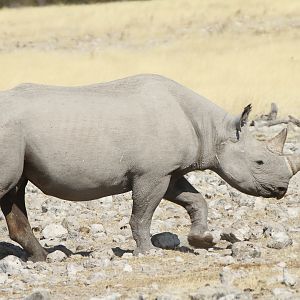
x=165 y=240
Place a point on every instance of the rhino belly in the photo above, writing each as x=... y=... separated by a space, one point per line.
x=76 y=173
x=77 y=183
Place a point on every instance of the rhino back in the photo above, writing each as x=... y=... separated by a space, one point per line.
x=87 y=142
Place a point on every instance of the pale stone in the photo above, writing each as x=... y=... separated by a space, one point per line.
x=280 y=240
x=245 y=251
x=56 y=256
x=12 y=265
x=127 y=268
x=3 y=278
x=97 y=228
x=52 y=231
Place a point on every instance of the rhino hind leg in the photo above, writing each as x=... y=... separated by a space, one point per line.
x=146 y=194
x=181 y=192
x=14 y=210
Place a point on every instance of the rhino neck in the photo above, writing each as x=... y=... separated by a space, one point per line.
x=208 y=122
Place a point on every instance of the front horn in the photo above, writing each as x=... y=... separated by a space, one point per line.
x=276 y=144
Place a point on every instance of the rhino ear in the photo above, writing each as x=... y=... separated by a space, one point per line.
x=242 y=120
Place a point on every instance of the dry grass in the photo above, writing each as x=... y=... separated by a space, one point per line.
x=233 y=52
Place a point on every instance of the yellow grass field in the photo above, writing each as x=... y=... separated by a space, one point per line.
x=233 y=52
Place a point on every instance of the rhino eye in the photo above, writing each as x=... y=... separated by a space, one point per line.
x=260 y=162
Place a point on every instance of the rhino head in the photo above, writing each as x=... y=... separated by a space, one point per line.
x=254 y=167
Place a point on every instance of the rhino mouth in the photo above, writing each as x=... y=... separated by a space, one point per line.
x=275 y=192
x=281 y=192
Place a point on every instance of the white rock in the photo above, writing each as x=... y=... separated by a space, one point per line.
x=105 y=262
x=227 y=276
x=54 y=231
x=92 y=263
x=282 y=293
x=73 y=269
x=192 y=178
x=127 y=268
x=3 y=278
x=17 y=285
x=270 y=229
x=95 y=277
x=245 y=251
x=124 y=222
x=293 y=212
x=127 y=255
x=216 y=234
x=201 y=252
x=101 y=254
x=228 y=206
x=256 y=232
x=56 y=256
x=100 y=236
x=280 y=240
x=238 y=231
x=30 y=188
x=222 y=189
x=42 y=267
x=106 y=202
x=260 y=204
x=70 y=222
x=97 y=228
x=179 y=259
x=289 y=279
x=12 y=265
x=214 y=215
x=240 y=212
x=120 y=239
x=281 y=264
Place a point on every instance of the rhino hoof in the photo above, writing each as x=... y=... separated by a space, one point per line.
x=38 y=257
x=144 y=250
x=203 y=241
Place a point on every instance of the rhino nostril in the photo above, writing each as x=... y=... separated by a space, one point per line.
x=281 y=189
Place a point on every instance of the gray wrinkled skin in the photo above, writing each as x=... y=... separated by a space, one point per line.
x=141 y=133
x=253 y=169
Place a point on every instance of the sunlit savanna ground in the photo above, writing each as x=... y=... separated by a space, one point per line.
x=233 y=52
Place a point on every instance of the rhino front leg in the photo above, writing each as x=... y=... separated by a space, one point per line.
x=181 y=192
x=14 y=210
x=147 y=193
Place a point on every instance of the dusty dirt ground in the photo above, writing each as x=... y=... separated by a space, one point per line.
x=97 y=239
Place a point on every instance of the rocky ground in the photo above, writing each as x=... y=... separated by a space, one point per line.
x=90 y=247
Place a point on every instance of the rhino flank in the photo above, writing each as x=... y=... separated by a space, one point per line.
x=139 y=134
